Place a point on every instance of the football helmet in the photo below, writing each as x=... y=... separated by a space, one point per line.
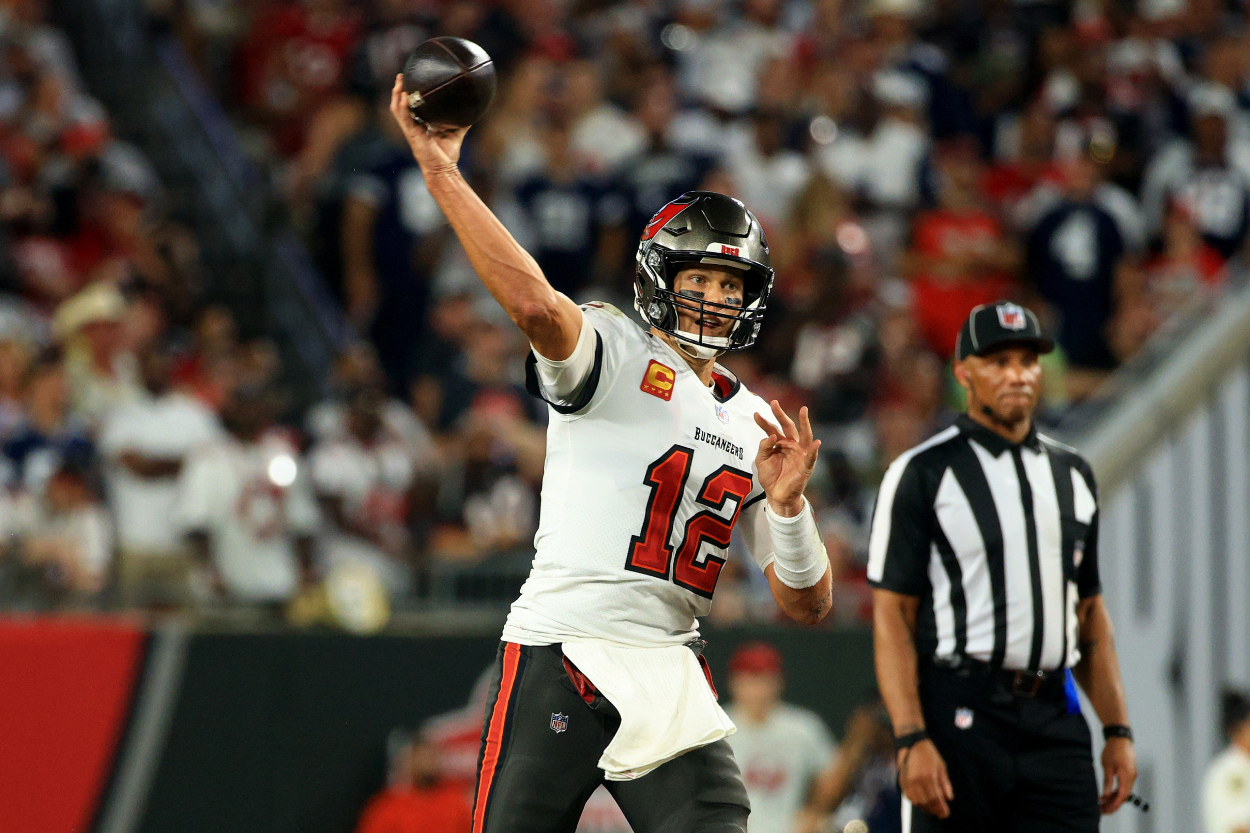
x=710 y=228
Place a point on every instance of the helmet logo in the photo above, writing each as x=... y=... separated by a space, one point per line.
x=728 y=250
x=658 y=380
x=661 y=218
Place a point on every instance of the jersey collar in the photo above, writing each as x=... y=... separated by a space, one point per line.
x=994 y=443
x=724 y=384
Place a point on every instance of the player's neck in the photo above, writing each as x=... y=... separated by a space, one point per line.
x=702 y=367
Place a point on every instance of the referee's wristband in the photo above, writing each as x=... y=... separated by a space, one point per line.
x=908 y=741
x=1117 y=730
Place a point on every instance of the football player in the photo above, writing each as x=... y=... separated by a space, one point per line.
x=654 y=454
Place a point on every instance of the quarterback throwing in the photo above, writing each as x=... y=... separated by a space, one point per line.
x=654 y=455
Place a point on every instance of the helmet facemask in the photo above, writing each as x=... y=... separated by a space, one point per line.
x=660 y=306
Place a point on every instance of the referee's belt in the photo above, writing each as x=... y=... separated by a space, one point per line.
x=1024 y=684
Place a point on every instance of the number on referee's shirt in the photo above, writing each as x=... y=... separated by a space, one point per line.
x=649 y=551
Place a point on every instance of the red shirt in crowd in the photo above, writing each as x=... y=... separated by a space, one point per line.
x=290 y=59
x=440 y=809
x=942 y=302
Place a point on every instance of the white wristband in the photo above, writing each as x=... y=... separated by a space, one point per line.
x=799 y=557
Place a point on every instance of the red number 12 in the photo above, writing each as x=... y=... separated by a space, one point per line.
x=649 y=551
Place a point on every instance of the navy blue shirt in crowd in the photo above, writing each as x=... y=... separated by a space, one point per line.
x=30 y=457
x=566 y=220
x=406 y=214
x=1072 y=257
x=656 y=179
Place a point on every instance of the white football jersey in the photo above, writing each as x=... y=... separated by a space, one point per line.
x=647 y=472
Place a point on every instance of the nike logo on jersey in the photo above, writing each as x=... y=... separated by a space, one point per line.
x=718 y=442
x=658 y=380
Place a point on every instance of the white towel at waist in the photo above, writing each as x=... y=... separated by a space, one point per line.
x=665 y=703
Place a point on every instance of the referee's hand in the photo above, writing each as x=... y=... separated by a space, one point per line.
x=922 y=775
x=1119 y=768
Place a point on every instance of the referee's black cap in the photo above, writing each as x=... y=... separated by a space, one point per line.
x=991 y=326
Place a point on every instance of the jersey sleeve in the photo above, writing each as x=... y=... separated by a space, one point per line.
x=615 y=338
x=1088 y=582
x=898 y=545
x=564 y=383
x=754 y=526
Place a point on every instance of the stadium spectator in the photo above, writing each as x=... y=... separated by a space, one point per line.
x=1226 y=785
x=602 y=137
x=663 y=170
x=390 y=224
x=70 y=538
x=1079 y=259
x=1184 y=272
x=49 y=435
x=960 y=256
x=1209 y=172
x=294 y=54
x=246 y=508
x=723 y=67
x=366 y=480
x=102 y=372
x=571 y=219
x=780 y=748
x=418 y=799
x=144 y=445
x=766 y=174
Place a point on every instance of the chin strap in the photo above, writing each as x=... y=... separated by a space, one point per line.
x=691 y=350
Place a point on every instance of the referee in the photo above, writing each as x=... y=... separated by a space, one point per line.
x=984 y=564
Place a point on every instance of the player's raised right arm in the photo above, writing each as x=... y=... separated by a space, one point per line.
x=548 y=318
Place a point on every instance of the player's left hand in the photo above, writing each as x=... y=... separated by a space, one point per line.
x=1119 y=772
x=785 y=460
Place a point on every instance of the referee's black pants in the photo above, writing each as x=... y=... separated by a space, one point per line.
x=1017 y=764
x=539 y=763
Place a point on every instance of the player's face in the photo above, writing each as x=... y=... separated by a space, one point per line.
x=755 y=691
x=1007 y=381
x=713 y=285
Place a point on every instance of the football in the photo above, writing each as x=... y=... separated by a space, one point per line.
x=449 y=82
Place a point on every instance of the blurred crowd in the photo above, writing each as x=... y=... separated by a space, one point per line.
x=909 y=159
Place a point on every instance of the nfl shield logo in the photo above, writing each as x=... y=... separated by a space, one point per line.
x=1012 y=317
x=963 y=718
x=559 y=722
x=722 y=414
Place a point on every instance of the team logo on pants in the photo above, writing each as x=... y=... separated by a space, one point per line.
x=559 y=722
x=963 y=718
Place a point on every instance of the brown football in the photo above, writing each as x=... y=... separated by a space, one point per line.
x=449 y=81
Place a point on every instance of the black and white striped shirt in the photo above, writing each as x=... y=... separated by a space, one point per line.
x=998 y=540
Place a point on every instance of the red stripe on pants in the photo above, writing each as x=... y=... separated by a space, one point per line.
x=494 y=735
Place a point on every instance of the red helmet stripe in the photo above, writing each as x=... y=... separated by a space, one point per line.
x=661 y=218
